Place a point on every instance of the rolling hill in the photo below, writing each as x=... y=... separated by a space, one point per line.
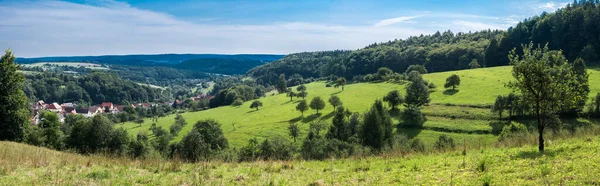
x=463 y=114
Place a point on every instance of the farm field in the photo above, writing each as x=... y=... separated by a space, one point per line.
x=462 y=114
x=566 y=162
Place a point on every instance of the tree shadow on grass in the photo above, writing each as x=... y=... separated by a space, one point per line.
x=311 y=118
x=253 y=110
x=297 y=119
x=286 y=102
x=335 y=93
x=409 y=132
x=534 y=154
x=450 y=92
x=325 y=117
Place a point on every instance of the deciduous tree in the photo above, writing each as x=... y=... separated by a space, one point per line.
x=546 y=82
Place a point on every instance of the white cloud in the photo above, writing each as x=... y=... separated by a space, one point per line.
x=476 y=26
x=549 y=6
x=391 y=21
x=51 y=28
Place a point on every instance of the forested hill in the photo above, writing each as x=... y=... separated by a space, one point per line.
x=573 y=29
x=148 y=59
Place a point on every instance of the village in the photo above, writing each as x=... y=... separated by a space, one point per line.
x=65 y=109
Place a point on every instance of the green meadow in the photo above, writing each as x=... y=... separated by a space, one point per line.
x=461 y=114
x=571 y=161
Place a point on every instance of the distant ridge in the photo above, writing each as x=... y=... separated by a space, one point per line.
x=149 y=59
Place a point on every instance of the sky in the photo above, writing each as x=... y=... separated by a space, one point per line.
x=108 y=27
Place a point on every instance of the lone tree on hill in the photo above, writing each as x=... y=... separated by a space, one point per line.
x=394 y=99
x=294 y=131
x=546 y=82
x=301 y=88
x=302 y=106
x=302 y=94
x=282 y=84
x=452 y=81
x=291 y=94
x=340 y=82
x=317 y=104
x=13 y=102
x=256 y=104
x=335 y=102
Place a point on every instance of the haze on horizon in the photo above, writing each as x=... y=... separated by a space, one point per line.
x=108 y=27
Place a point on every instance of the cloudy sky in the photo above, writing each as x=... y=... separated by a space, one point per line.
x=100 y=27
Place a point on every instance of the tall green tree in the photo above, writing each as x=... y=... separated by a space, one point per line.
x=13 y=102
x=53 y=136
x=335 y=102
x=340 y=82
x=452 y=81
x=317 y=104
x=294 y=131
x=339 y=126
x=256 y=104
x=301 y=88
x=417 y=93
x=546 y=82
x=302 y=106
x=377 y=127
x=393 y=99
x=282 y=84
x=491 y=54
x=291 y=94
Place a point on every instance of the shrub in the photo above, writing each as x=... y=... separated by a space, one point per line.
x=237 y=102
x=412 y=117
x=513 y=129
x=417 y=145
x=277 y=148
x=444 y=142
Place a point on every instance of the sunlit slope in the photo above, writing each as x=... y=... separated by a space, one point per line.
x=479 y=87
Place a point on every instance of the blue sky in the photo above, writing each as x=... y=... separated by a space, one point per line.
x=99 y=27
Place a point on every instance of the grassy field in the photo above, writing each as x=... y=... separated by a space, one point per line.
x=463 y=113
x=566 y=162
x=72 y=64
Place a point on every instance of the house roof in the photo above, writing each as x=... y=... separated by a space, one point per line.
x=54 y=106
x=82 y=110
x=107 y=104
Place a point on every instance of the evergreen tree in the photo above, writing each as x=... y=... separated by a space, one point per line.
x=377 y=126
x=13 y=102
x=282 y=84
x=339 y=126
x=491 y=57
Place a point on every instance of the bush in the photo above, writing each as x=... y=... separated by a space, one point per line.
x=416 y=145
x=237 y=102
x=444 y=142
x=412 y=118
x=277 y=148
x=513 y=129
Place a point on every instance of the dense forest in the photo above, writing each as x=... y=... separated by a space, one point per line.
x=573 y=29
x=93 y=88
